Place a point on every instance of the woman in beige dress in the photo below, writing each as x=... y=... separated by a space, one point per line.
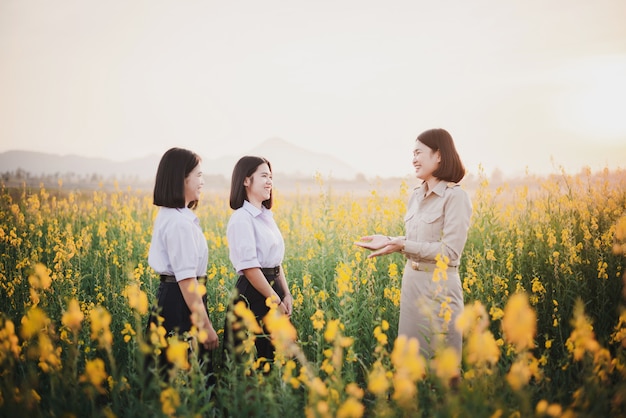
x=436 y=225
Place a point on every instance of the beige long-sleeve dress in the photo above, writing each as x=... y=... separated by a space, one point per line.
x=436 y=222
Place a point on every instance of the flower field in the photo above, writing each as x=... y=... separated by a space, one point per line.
x=544 y=325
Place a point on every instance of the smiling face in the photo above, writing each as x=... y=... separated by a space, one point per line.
x=425 y=161
x=193 y=184
x=259 y=185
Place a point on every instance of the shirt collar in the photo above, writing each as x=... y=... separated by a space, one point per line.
x=439 y=188
x=186 y=212
x=252 y=210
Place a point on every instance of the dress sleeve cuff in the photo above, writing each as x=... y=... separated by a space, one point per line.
x=411 y=247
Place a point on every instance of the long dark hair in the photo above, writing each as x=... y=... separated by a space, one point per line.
x=245 y=167
x=450 y=168
x=169 y=186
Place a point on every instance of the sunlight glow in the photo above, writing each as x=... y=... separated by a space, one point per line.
x=594 y=102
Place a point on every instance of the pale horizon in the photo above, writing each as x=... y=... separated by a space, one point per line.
x=521 y=86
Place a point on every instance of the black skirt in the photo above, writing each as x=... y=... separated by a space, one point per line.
x=176 y=315
x=246 y=292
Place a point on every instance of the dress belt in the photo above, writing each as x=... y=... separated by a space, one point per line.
x=422 y=266
x=167 y=278
x=270 y=271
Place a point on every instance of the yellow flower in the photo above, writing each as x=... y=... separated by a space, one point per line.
x=404 y=390
x=157 y=335
x=542 y=407
x=619 y=335
x=344 y=279
x=441 y=268
x=331 y=330
x=95 y=374
x=40 y=278
x=380 y=336
x=482 y=349
x=318 y=320
x=100 y=326
x=554 y=410
x=33 y=322
x=128 y=332
x=49 y=356
x=619 y=247
x=519 y=323
x=9 y=343
x=409 y=367
x=377 y=382
x=137 y=299
x=393 y=295
x=393 y=269
x=247 y=317
x=73 y=317
x=170 y=400
x=351 y=408
x=406 y=358
x=352 y=389
x=473 y=319
x=198 y=288
x=176 y=353
x=282 y=331
x=445 y=312
x=582 y=339
x=318 y=387
x=537 y=286
x=327 y=367
x=519 y=375
x=290 y=366
x=446 y=364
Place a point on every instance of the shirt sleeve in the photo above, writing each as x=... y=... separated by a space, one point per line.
x=242 y=244
x=457 y=213
x=182 y=249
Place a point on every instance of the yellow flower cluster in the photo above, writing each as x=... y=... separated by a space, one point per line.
x=137 y=299
x=409 y=366
x=519 y=323
x=9 y=342
x=95 y=374
x=481 y=349
x=100 y=320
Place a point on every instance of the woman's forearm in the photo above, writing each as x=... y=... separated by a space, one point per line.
x=260 y=283
x=193 y=299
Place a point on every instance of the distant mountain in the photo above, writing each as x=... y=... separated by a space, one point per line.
x=286 y=159
x=39 y=163
x=293 y=160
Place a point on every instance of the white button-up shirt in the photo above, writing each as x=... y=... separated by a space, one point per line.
x=254 y=239
x=178 y=246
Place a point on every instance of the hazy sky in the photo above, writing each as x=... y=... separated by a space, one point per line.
x=519 y=84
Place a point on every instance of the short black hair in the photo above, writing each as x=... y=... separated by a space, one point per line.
x=451 y=168
x=245 y=167
x=169 y=186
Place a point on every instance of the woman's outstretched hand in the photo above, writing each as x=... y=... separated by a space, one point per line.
x=373 y=242
x=380 y=244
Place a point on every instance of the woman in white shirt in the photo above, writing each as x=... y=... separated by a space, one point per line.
x=178 y=251
x=256 y=249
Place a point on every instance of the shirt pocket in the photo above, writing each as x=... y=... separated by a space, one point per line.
x=430 y=226
x=410 y=226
